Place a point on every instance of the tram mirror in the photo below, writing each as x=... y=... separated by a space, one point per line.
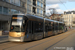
x=11 y=27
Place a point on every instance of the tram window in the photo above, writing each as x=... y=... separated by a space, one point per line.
x=60 y=26
x=53 y=26
x=46 y=27
x=18 y=23
x=26 y=28
x=23 y=28
x=38 y=27
x=56 y=26
x=30 y=26
x=15 y=28
x=49 y=27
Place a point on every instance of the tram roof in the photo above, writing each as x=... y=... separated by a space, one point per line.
x=35 y=18
x=48 y=20
x=61 y=22
x=30 y=16
x=19 y=14
x=56 y=21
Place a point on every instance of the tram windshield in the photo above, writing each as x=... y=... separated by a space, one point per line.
x=17 y=23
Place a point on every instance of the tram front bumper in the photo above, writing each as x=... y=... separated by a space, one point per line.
x=16 y=39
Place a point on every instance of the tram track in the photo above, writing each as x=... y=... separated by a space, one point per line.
x=13 y=46
x=6 y=45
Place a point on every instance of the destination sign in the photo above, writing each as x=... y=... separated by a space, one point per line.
x=20 y=18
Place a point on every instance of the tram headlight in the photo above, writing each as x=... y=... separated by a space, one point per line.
x=19 y=34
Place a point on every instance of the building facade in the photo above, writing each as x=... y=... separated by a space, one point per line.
x=57 y=17
x=10 y=7
x=69 y=18
x=36 y=7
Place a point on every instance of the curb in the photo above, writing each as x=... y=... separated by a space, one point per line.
x=4 y=35
x=3 y=41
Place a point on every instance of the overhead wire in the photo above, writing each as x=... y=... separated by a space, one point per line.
x=63 y=4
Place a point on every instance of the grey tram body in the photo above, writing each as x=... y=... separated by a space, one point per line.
x=32 y=35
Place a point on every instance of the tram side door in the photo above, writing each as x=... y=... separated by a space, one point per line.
x=31 y=25
x=30 y=29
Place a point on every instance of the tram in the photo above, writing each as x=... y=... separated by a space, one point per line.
x=30 y=27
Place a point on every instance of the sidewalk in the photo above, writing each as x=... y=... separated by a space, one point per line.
x=3 y=38
x=3 y=35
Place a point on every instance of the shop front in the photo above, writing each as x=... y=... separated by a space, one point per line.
x=4 y=27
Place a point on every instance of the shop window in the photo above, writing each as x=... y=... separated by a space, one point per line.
x=0 y=9
x=14 y=11
x=5 y=10
x=15 y=2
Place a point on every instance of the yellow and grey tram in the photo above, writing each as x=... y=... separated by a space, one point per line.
x=29 y=27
